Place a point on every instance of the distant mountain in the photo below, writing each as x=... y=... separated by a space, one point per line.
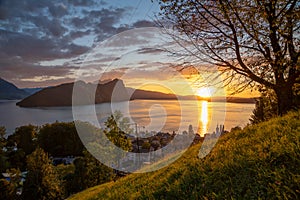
x=145 y=94
x=31 y=91
x=108 y=91
x=9 y=91
x=234 y=100
x=61 y=95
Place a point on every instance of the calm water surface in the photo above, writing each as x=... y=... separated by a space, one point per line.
x=151 y=115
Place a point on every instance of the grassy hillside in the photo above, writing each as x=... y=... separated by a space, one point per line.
x=262 y=161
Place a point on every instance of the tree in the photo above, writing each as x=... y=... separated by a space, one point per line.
x=117 y=123
x=17 y=159
x=11 y=187
x=60 y=139
x=88 y=173
x=25 y=138
x=2 y=138
x=253 y=42
x=4 y=164
x=42 y=180
x=265 y=107
x=117 y=128
x=7 y=190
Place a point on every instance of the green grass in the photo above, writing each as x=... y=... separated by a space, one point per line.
x=259 y=162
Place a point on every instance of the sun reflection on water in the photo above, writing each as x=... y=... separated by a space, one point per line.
x=204 y=118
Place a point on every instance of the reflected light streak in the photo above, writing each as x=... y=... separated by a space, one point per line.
x=204 y=117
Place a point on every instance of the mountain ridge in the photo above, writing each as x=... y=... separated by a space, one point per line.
x=8 y=91
x=108 y=91
x=61 y=95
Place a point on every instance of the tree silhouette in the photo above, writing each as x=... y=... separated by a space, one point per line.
x=88 y=173
x=42 y=180
x=60 y=139
x=25 y=138
x=7 y=190
x=265 y=107
x=117 y=128
x=251 y=42
x=4 y=164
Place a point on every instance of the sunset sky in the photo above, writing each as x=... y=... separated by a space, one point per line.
x=46 y=43
x=42 y=41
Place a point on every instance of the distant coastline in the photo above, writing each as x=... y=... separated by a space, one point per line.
x=61 y=95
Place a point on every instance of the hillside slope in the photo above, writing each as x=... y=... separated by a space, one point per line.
x=261 y=161
x=9 y=91
x=61 y=95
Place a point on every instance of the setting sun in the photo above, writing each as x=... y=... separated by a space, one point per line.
x=204 y=92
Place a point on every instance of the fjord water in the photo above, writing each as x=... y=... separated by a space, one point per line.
x=150 y=115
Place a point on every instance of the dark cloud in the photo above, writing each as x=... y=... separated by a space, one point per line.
x=78 y=34
x=150 y=50
x=107 y=59
x=44 y=30
x=123 y=28
x=56 y=29
x=83 y=3
x=129 y=38
x=104 y=21
x=50 y=27
x=58 y=10
x=80 y=22
x=34 y=49
x=22 y=8
x=32 y=31
x=144 y=23
x=23 y=73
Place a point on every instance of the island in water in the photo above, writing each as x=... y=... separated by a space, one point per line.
x=111 y=91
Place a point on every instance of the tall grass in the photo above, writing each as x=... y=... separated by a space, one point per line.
x=260 y=162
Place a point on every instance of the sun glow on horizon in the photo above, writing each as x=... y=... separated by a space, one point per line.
x=205 y=92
